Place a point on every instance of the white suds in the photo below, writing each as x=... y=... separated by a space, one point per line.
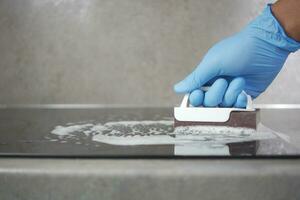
x=134 y=123
x=67 y=130
x=161 y=132
x=135 y=140
x=220 y=134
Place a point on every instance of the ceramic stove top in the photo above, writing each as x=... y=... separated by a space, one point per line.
x=125 y=132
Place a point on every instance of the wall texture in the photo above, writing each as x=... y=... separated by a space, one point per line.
x=117 y=51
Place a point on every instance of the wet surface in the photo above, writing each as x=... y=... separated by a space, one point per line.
x=32 y=132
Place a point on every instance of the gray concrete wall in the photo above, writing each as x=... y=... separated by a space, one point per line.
x=117 y=51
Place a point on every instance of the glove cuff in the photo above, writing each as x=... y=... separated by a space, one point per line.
x=269 y=29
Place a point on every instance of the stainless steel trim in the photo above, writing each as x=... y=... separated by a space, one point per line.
x=77 y=106
x=94 y=106
x=277 y=106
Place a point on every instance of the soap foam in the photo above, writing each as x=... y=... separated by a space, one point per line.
x=221 y=134
x=69 y=130
x=161 y=132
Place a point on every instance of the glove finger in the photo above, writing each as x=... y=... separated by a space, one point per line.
x=202 y=74
x=196 y=98
x=236 y=86
x=241 y=101
x=214 y=96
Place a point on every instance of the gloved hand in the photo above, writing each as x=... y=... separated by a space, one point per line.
x=249 y=61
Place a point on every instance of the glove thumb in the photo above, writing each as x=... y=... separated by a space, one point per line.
x=199 y=77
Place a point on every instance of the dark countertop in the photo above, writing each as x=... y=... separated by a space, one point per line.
x=26 y=134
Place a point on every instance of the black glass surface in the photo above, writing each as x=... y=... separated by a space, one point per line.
x=27 y=132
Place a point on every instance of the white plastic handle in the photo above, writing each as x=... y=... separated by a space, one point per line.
x=185 y=101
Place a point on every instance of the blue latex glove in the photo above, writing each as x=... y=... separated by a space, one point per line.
x=248 y=60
